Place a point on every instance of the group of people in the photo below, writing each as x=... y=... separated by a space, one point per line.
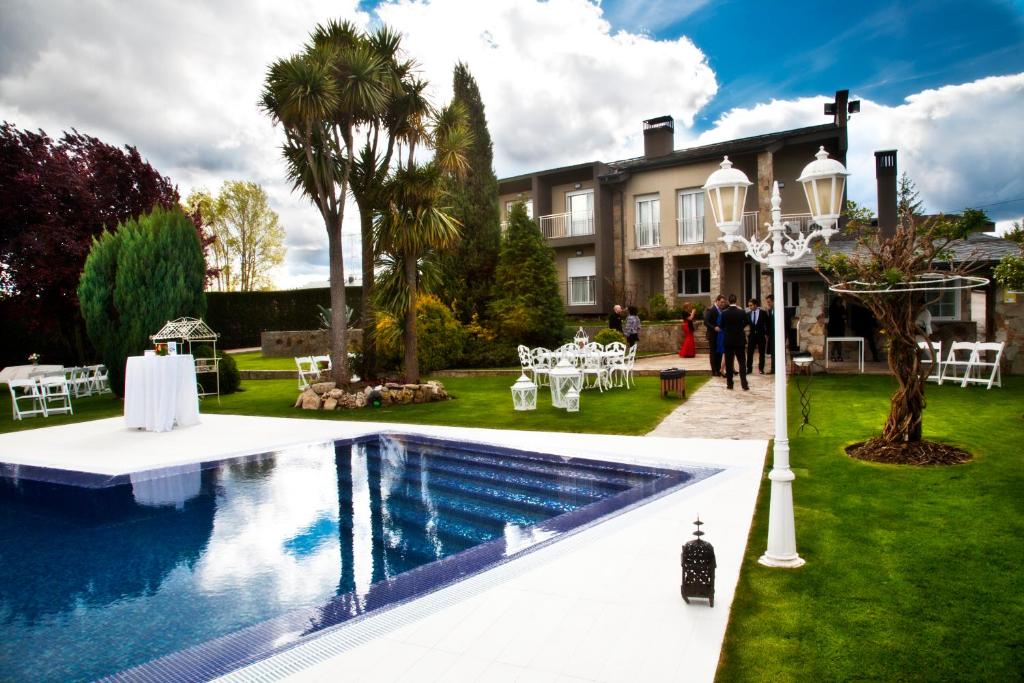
x=861 y=320
x=725 y=325
x=628 y=325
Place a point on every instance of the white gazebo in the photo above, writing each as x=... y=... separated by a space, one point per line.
x=193 y=331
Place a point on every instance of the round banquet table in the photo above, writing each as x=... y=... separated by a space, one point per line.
x=160 y=392
x=27 y=371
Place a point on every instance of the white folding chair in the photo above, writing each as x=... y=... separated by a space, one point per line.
x=100 y=379
x=981 y=366
x=79 y=381
x=56 y=395
x=960 y=357
x=932 y=356
x=322 y=362
x=307 y=370
x=26 y=390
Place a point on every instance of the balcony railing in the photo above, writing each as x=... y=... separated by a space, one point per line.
x=690 y=230
x=797 y=221
x=568 y=224
x=648 y=234
x=581 y=291
x=750 y=224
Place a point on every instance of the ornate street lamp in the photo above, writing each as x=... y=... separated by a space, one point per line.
x=823 y=181
x=524 y=394
x=564 y=377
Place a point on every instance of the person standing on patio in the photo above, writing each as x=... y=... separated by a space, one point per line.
x=632 y=327
x=711 y=330
x=733 y=321
x=615 y=319
x=769 y=314
x=688 y=349
x=837 y=325
x=863 y=323
x=758 y=335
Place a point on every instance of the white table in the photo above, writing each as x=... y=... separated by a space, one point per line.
x=160 y=392
x=860 y=349
x=28 y=371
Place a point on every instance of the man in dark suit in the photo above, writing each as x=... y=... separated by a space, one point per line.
x=733 y=321
x=769 y=314
x=711 y=330
x=758 y=322
x=615 y=319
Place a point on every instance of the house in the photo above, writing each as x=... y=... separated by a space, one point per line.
x=626 y=230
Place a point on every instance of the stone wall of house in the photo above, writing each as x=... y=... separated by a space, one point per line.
x=1009 y=329
x=291 y=343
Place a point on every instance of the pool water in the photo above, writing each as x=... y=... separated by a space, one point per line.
x=224 y=563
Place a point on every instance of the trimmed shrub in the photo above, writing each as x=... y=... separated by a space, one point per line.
x=607 y=336
x=440 y=337
x=483 y=348
x=230 y=379
x=149 y=271
x=657 y=307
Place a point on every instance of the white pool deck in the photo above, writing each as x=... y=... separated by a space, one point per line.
x=601 y=605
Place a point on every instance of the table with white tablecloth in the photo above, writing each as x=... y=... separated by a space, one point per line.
x=28 y=371
x=160 y=392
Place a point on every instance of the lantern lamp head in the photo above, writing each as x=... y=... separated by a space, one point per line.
x=824 y=180
x=726 y=189
x=524 y=394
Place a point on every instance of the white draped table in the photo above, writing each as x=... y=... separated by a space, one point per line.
x=160 y=392
x=27 y=371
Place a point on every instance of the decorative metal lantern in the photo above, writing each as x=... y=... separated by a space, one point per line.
x=698 y=560
x=726 y=189
x=581 y=338
x=564 y=377
x=524 y=394
x=823 y=182
x=572 y=400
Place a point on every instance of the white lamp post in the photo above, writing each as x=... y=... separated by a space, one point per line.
x=564 y=377
x=823 y=182
x=524 y=394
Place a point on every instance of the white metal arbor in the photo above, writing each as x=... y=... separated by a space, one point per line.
x=193 y=331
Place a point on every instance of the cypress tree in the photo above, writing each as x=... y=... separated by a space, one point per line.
x=468 y=271
x=526 y=308
x=135 y=279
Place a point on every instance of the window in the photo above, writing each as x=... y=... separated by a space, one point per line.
x=691 y=217
x=579 y=209
x=693 y=281
x=791 y=292
x=945 y=305
x=648 y=221
x=582 y=281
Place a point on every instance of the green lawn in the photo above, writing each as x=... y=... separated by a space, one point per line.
x=254 y=360
x=912 y=573
x=479 y=402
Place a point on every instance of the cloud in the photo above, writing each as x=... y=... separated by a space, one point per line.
x=960 y=144
x=651 y=15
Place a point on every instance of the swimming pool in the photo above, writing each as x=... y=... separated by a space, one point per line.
x=194 y=571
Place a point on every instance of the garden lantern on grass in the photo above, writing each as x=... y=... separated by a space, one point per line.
x=698 y=560
x=564 y=377
x=524 y=394
x=572 y=401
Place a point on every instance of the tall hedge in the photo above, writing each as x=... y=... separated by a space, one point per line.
x=527 y=308
x=135 y=279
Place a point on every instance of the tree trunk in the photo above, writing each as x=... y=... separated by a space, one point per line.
x=412 y=365
x=368 y=313
x=339 y=324
x=907 y=404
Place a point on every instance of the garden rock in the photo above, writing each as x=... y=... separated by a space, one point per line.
x=327 y=396
x=323 y=387
x=330 y=403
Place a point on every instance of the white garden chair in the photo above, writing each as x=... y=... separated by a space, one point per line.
x=623 y=367
x=981 y=366
x=616 y=347
x=26 y=391
x=100 y=379
x=932 y=355
x=307 y=370
x=594 y=365
x=540 y=365
x=56 y=395
x=958 y=362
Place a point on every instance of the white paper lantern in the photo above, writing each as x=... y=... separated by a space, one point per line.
x=524 y=394
x=564 y=377
x=572 y=401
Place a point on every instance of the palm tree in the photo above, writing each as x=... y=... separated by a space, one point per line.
x=414 y=225
x=320 y=96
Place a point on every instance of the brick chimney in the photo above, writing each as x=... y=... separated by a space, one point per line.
x=885 y=176
x=659 y=136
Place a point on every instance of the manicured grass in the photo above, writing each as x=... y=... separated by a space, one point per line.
x=254 y=360
x=479 y=402
x=912 y=573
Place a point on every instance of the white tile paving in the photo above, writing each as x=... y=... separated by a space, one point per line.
x=601 y=605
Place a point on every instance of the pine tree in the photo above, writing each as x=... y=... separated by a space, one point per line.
x=468 y=271
x=135 y=279
x=527 y=308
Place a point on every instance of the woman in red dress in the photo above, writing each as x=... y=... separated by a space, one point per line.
x=688 y=349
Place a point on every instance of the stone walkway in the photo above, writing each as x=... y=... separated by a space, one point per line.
x=714 y=412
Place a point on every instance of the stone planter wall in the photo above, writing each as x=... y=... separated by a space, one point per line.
x=661 y=338
x=291 y=343
x=326 y=395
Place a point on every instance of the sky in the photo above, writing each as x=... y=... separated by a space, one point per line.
x=563 y=82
